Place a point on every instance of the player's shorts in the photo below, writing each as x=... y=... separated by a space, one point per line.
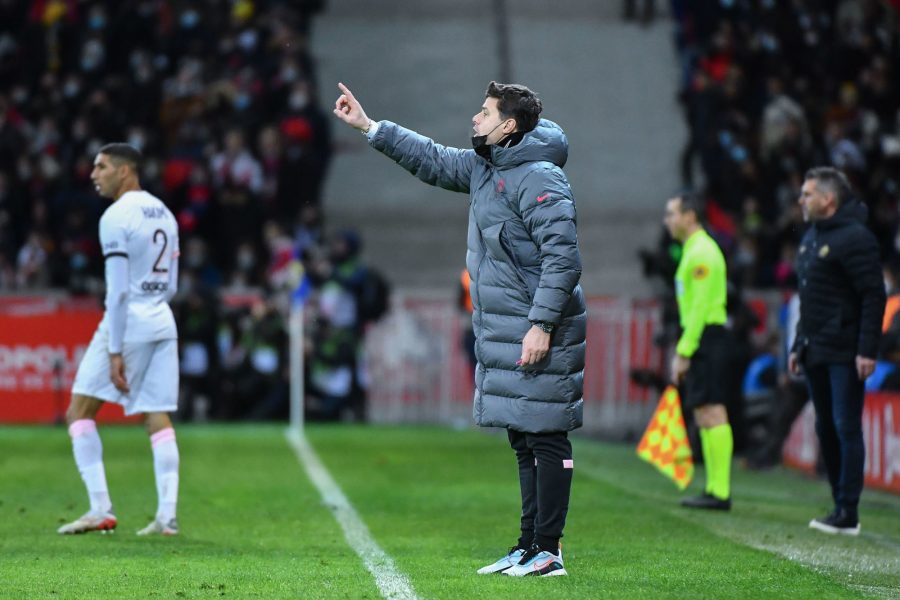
x=707 y=379
x=151 y=370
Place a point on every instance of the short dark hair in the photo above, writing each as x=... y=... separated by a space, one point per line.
x=833 y=180
x=691 y=202
x=517 y=102
x=121 y=152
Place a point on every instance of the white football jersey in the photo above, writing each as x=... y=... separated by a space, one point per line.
x=140 y=227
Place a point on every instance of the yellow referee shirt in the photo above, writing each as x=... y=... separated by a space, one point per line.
x=700 y=290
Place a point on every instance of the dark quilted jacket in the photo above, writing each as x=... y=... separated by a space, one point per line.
x=841 y=289
x=524 y=263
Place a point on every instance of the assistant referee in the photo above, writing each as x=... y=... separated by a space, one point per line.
x=700 y=361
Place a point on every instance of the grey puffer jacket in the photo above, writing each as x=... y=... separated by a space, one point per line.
x=524 y=264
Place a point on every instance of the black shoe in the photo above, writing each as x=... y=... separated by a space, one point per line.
x=839 y=521
x=707 y=501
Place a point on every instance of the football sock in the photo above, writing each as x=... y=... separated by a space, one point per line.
x=721 y=445
x=88 y=451
x=165 y=467
x=707 y=459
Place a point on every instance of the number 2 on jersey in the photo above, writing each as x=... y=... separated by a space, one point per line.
x=165 y=242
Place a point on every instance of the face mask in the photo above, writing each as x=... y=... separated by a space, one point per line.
x=242 y=101
x=189 y=19
x=71 y=88
x=97 y=21
x=298 y=101
x=480 y=145
x=247 y=40
x=246 y=260
x=194 y=260
x=136 y=140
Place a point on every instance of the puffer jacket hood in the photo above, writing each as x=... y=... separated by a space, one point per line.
x=851 y=211
x=546 y=142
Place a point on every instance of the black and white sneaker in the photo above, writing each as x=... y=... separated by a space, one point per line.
x=512 y=558
x=538 y=563
x=838 y=522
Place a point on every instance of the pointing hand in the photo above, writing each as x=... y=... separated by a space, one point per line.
x=348 y=109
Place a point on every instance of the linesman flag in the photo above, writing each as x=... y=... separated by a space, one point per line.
x=665 y=443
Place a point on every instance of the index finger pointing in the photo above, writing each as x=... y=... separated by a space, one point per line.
x=345 y=89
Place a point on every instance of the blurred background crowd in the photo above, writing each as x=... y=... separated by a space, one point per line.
x=220 y=97
x=768 y=90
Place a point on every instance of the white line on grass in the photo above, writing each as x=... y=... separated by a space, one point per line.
x=392 y=583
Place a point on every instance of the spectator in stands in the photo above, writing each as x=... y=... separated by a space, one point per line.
x=188 y=75
x=464 y=303
x=197 y=316
x=814 y=80
x=791 y=393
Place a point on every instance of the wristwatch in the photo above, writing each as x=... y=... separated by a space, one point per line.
x=545 y=327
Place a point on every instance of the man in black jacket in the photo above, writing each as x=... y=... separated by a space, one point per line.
x=841 y=305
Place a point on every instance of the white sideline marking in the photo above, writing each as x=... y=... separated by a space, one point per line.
x=391 y=583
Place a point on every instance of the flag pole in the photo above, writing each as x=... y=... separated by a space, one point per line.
x=295 y=333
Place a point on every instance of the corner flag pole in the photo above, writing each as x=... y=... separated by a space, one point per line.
x=295 y=346
x=295 y=336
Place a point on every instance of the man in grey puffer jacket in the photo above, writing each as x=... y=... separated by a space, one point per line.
x=529 y=312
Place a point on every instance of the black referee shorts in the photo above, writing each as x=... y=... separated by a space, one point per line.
x=708 y=378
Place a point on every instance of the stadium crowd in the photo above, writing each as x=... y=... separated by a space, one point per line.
x=220 y=98
x=771 y=89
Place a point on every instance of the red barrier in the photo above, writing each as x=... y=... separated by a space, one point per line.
x=40 y=348
x=881 y=429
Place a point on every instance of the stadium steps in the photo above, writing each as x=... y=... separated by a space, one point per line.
x=611 y=85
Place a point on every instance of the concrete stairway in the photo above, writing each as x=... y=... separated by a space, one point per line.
x=611 y=85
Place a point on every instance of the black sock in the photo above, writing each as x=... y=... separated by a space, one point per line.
x=525 y=540
x=548 y=544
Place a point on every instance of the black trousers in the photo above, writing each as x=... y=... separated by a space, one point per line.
x=838 y=396
x=545 y=479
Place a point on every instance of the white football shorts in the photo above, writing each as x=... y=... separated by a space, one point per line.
x=151 y=370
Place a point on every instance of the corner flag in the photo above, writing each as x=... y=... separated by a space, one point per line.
x=665 y=443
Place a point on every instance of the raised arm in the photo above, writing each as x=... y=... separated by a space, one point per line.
x=449 y=168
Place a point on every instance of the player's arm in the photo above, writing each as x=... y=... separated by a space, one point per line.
x=113 y=242
x=116 y=300
x=449 y=168
x=172 y=288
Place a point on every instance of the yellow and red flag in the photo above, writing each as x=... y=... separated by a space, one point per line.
x=665 y=443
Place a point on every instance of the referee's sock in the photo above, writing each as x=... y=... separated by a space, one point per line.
x=707 y=459
x=88 y=451
x=720 y=444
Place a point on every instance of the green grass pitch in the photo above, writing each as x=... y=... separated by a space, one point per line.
x=440 y=502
